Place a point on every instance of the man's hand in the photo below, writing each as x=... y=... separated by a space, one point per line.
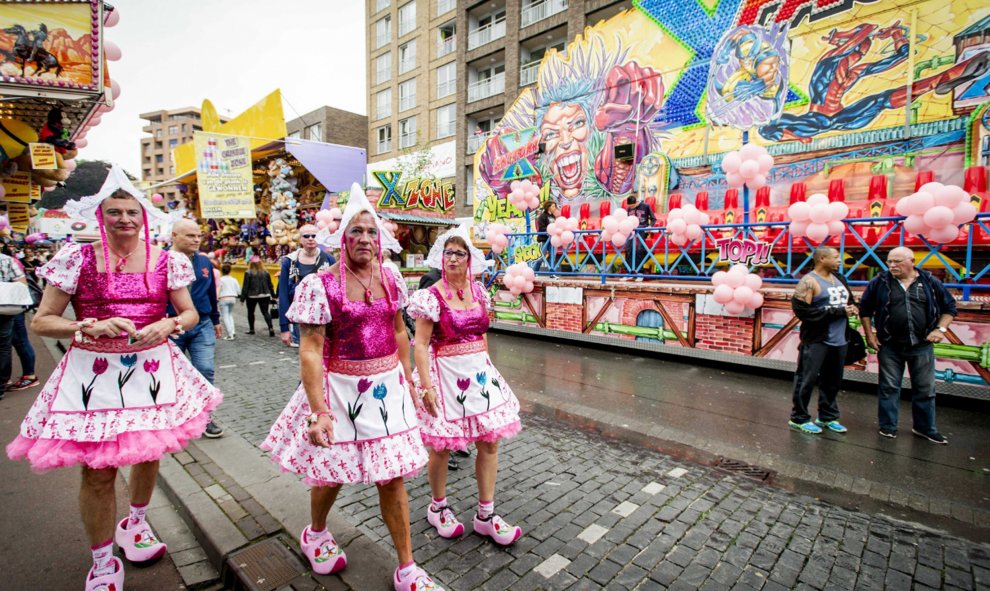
x=935 y=336
x=287 y=338
x=871 y=341
x=430 y=402
x=217 y=330
x=852 y=311
x=110 y=328
x=320 y=433
x=154 y=333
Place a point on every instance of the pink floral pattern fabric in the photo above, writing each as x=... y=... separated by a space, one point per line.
x=378 y=461
x=310 y=304
x=423 y=304
x=180 y=270
x=62 y=271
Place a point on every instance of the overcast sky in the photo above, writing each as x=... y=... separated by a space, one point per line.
x=233 y=52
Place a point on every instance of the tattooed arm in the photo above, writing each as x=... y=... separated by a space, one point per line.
x=806 y=288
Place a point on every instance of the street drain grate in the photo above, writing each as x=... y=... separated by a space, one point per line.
x=264 y=566
x=743 y=469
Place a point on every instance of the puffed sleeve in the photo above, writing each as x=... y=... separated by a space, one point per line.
x=423 y=304
x=482 y=293
x=310 y=305
x=63 y=269
x=180 y=270
x=400 y=286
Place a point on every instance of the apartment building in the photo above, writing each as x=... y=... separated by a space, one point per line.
x=442 y=73
x=167 y=129
x=331 y=126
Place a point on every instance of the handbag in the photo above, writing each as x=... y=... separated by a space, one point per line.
x=855 y=346
x=15 y=297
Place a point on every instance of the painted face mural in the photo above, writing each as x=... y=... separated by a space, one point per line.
x=565 y=132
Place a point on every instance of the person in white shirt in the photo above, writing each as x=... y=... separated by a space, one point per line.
x=230 y=290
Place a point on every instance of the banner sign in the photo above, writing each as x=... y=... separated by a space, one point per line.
x=18 y=188
x=43 y=157
x=224 y=176
x=19 y=216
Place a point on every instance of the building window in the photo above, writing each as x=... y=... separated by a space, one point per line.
x=407 y=132
x=446 y=121
x=297 y=134
x=446 y=79
x=173 y=129
x=447 y=39
x=384 y=138
x=173 y=143
x=407 y=57
x=159 y=159
x=383 y=68
x=407 y=18
x=382 y=4
x=407 y=95
x=445 y=6
x=383 y=104
x=383 y=32
x=315 y=132
x=158 y=134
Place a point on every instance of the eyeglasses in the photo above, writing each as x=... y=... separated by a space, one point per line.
x=455 y=254
x=309 y=235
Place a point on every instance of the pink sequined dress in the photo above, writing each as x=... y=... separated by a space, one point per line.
x=109 y=404
x=376 y=438
x=476 y=403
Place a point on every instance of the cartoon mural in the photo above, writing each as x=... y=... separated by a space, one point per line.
x=48 y=41
x=747 y=84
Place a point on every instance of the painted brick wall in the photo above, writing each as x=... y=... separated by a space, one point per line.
x=564 y=317
x=724 y=333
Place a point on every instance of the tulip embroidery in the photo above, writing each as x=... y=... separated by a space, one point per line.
x=482 y=378
x=380 y=392
x=463 y=384
x=499 y=388
x=128 y=361
x=151 y=366
x=100 y=365
x=353 y=411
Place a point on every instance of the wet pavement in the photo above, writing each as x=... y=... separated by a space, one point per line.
x=599 y=513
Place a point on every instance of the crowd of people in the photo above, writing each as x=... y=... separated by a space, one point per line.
x=371 y=407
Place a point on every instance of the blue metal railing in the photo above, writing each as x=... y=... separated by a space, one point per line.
x=651 y=255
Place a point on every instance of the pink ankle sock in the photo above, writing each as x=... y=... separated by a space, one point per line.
x=437 y=503
x=406 y=569
x=103 y=562
x=485 y=509
x=137 y=514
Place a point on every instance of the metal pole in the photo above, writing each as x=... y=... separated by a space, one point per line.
x=745 y=203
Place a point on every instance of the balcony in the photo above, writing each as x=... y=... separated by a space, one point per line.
x=486 y=88
x=486 y=34
x=528 y=73
x=475 y=142
x=540 y=10
x=446 y=46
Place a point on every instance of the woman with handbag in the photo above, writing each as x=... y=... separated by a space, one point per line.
x=13 y=291
x=123 y=394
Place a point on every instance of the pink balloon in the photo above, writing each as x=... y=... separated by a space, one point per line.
x=902 y=207
x=607 y=236
x=620 y=213
x=112 y=51
x=627 y=225
x=799 y=211
x=915 y=224
x=731 y=162
x=734 y=179
x=515 y=184
x=82 y=143
x=693 y=232
x=114 y=89
x=835 y=228
x=677 y=226
x=963 y=213
x=749 y=169
x=920 y=202
x=719 y=278
x=528 y=273
x=751 y=151
x=742 y=294
x=820 y=214
x=552 y=228
x=735 y=307
x=675 y=214
x=757 y=182
x=753 y=281
x=723 y=294
x=939 y=216
x=515 y=290
x=932 y=187
x=735 y=280
x=556 y=241
x=113 y=18
x=610 y=224
x=755 y=302
x=817 y=232
x=950 y=196
x=566 y=237
x=766 y=162
x=572 y=224
x=838 y=210
x=817 y=198
x=528 y=287
x=618 y=239
x=943 y=235
x=678 y=239
x=69 y=164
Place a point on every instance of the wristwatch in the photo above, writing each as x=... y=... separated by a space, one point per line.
x=313 y=418
x=943 y=330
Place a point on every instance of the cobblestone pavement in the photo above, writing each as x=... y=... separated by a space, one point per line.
x=599 y=514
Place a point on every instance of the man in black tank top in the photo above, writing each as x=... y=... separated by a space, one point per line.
x=822 y=302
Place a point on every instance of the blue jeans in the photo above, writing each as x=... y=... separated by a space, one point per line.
x=200 y=342
x=25 y=352
x=920 y=362
x=295 y=333
x=6 y=331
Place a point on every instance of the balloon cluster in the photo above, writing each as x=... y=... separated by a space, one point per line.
x=328 y=219
x=518 y=278
x=618 y=226
x=749 y=165
x=816 y=218
x=495 y=235
x=936 y=211
x=561 y=231
x=524 y=195
x=737 y=289
x=684 y=224
x=35 y=237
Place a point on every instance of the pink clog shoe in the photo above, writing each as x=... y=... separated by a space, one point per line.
x=498 y=530
x=324 y=554
x=445 y=522
x=418 y=580
x=139 y=544
x=111 y=582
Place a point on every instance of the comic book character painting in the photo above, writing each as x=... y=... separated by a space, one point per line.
x=747 y=83
x=584 y=105
x=843 y=66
